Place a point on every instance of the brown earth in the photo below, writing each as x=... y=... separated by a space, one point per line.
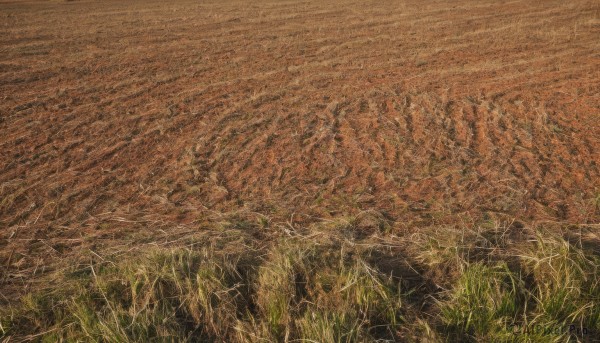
x=136 y=121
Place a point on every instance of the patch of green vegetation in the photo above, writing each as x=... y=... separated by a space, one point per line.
x=306 y=290
x=484 y=303
x=567 y=283
x=296 y=291
x=326 y=288
x=166 y=295
x=542 y=290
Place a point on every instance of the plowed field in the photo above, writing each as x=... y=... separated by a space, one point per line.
x=126 y=121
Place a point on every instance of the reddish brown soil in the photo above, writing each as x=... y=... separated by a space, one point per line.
x=122 y=118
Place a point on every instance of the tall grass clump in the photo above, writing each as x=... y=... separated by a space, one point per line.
x=296 y=290
x=354 y=299
x=166 y=295
x=550 y=293
x=307 y=291
x=566 y=284
x=484 y=303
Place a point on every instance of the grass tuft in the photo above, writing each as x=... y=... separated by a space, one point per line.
x=485 y=302
x=567 y=283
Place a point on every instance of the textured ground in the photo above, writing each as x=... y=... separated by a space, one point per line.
x=128 y=120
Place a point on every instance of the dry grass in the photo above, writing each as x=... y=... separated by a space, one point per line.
x=325 y=287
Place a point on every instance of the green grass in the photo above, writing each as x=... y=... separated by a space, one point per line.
x=567 y=283
x=476 y=285
x=537 y=290
x=484 y=302
x=294 y=292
